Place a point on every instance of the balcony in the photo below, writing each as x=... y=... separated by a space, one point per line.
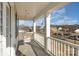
x=28 y=46
x=47 y=31
x=48 y=38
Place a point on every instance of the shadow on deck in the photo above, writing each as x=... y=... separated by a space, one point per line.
x=30 y=49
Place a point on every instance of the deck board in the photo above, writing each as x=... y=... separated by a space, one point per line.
x=30 y=49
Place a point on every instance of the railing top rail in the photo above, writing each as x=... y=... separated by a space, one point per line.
x=28 y=32
x=40 y=34
x=66 y=42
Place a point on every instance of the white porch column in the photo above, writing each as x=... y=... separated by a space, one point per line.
x=4 y=31
x=48 y=40
x=7 y=49
x=34 y=28
x=13 y=38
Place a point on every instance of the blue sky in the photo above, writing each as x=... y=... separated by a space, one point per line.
x=67 y=15
x=26 y=22
x=40 y=21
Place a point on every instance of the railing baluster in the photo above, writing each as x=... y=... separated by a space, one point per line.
x=72 y=51
x=61 y=47
x=64 y=50
x=56 y=48
x=78 y=52
x=53 y=46
x=68 y=51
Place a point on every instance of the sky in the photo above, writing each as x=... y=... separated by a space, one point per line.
x=26 y=22
x=67 y=15
x=40 y=21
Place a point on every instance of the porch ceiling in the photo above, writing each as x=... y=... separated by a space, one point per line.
x=31 y=10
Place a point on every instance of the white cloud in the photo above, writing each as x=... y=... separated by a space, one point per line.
x=40 y=21
x=65 y=21
x=58 y=13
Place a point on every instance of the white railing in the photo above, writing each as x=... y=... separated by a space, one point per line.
x=39 y=38
x=25 y=36
x=59 y=47
x=63 y=48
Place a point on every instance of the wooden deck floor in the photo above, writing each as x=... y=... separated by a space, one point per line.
x=30 y=49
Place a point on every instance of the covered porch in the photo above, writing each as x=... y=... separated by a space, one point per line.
x=48 y=45
x=35 y=40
